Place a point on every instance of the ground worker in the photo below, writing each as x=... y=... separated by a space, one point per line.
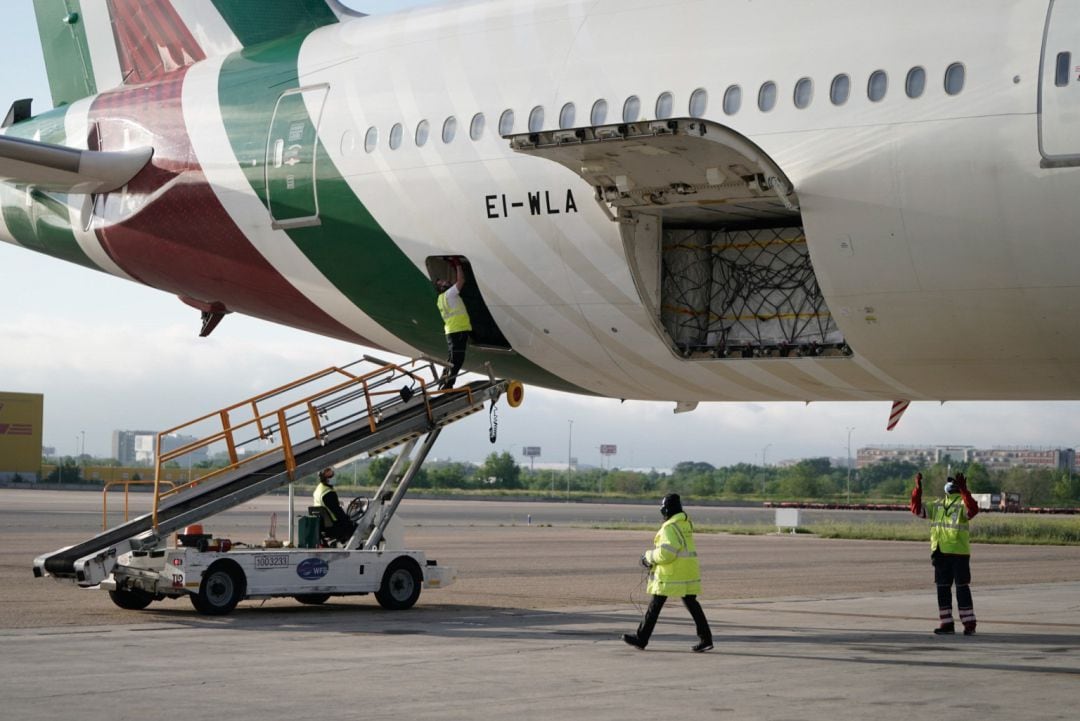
x=673 y=571
x=341 y=526
x=456 y=323
x=950 y=550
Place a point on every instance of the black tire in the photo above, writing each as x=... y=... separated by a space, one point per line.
x=313 y=599
x=222 y=587
x=131 y=599
x=401 y=585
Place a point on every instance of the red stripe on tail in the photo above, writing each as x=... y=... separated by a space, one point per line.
x=151 y=39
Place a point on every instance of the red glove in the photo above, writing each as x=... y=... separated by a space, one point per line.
x=961 y=482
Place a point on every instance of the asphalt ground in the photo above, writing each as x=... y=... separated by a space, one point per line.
x=806 y=628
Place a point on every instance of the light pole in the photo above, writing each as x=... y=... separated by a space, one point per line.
x=763 y=476
x=849 y=430
x=569 y=455
x=82 y=448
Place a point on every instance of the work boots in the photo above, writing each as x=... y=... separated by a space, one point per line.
x=634 y=641
x=969 y=628
x=702 y=646
x=947 y=629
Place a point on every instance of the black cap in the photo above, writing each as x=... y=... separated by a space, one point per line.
x=671 y=505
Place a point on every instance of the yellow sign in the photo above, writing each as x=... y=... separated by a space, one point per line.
x=20 y=435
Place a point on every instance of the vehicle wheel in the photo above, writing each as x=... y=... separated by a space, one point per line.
x=313 y=599
x=401 y=585
x=221 y=589
x=133 y=599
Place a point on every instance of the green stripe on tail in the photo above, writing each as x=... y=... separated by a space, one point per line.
x=66 y=51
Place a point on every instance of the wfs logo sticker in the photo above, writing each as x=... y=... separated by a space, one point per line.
x=311 y=569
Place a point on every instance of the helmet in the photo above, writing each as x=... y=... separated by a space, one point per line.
x=950 y=485
x=671 y=505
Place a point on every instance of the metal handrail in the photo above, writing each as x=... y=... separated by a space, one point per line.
x=105 y=497
x=306 y=409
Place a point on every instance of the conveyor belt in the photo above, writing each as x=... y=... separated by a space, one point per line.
x=241 y=485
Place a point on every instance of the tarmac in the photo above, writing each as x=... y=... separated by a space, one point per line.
x=804 y=628
x=795 y=658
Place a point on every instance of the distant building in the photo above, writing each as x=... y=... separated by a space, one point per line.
x=134 y=448
x=995 y=459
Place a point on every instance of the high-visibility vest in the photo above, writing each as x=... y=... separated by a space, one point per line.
x=675 y=570
x=949 y=525
x=320 y=492
x=455 y=319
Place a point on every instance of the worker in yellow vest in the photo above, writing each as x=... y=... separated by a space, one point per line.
x=456 y=323
x=340 y=527
x=673 y=571
x=950 y=549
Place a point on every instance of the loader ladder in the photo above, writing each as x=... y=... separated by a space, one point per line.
x=269 y=440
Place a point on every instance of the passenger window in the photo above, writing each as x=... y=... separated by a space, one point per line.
x=732 y=100
x=476 y=127
x=449 y=129
x=916 y=82
x=371 y=139
x=954 y=78
x=664 y=106
x=536 y=119
x=631 y=109
x=766 y=99
x=423 y=129
x=804 y=93
x=567 y=116
x=878 y=86
x=506 y=122
x=395 y=136
x=840 y=90
x=1061 y=76
x=699 y=102
x=598 y=116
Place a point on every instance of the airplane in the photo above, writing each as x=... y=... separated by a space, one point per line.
x=669 y=200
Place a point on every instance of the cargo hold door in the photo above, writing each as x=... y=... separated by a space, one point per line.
x=712 y=233
x=690 y=170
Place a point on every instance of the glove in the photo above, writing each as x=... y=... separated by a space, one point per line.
x=961 y=482
x=645 y=561
x=918 y=480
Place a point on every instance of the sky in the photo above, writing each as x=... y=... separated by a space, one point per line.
x=111 y=354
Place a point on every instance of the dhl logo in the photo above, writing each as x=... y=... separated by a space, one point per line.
x=16 y=429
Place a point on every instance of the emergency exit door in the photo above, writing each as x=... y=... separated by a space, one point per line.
x=1059 y=86
x=291 y=152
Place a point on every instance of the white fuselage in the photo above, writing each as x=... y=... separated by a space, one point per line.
x=942 y=246
x=940 y=227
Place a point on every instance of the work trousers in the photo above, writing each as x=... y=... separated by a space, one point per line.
x=645 y=629
x=949 y=570
x=456 y=343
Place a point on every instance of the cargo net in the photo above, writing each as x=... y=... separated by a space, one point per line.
x=744 y=294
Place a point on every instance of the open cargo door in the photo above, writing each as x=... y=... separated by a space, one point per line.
x=712 y=232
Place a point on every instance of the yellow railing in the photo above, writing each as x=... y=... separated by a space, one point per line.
x=127 y=487
x=367 y=390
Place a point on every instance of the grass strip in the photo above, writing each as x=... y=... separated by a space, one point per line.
x=1014 y=530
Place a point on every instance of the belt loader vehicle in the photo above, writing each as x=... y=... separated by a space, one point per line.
x=369 y=413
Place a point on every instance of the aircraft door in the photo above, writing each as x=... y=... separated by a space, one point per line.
x=1059 y=86
x=291 y=147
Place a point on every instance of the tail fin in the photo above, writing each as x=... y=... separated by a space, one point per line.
x=95 y=45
